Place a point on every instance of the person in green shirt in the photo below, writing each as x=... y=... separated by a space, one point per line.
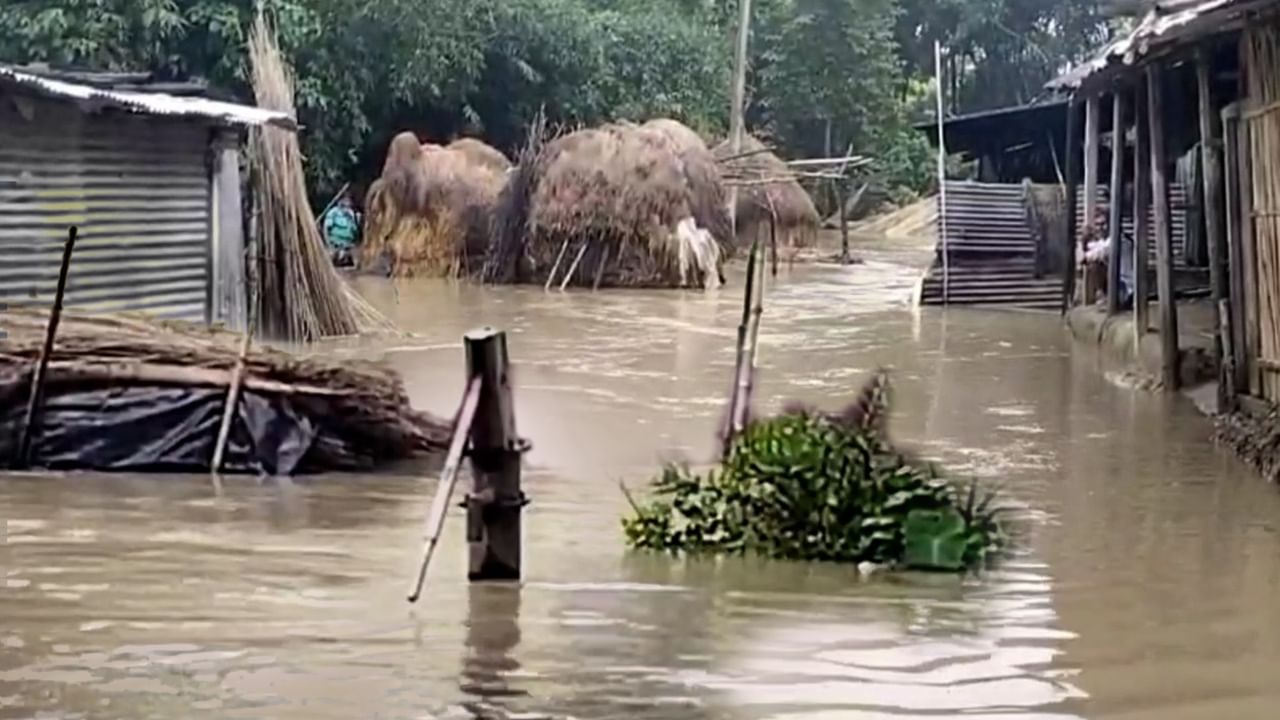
x=341 y=231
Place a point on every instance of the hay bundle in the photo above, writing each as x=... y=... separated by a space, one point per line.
x=300 y=295
x=767 y=186
x=429 y=212
x=619 y=205
x=359 y=411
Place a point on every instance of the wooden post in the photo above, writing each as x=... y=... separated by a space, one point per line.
x=495 y=503
x=1141 y=214
x=1249 y=259
x=1069 y=214
x=36 y=397
x=844 y=220
x=1235 y=205
x=1211 y=162
x=1163 y=232
x=1116 y=207
x=1092 y=132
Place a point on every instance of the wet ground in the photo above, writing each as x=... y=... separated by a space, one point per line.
x=1145 y=585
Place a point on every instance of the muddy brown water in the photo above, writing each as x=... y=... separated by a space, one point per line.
x=1144 y=587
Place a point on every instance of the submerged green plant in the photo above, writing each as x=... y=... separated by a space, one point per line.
x=809 y=486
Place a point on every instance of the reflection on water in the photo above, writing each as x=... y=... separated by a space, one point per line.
x=1143 y=588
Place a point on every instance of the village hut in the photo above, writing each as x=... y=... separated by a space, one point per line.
x=767 y=187
x=620 y=206
x=429 y=212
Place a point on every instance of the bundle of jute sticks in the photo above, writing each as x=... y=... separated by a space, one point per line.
x=363 y=403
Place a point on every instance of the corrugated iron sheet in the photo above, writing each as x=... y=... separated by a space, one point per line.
x=138 y=190
x=1166 y=23
x=223 y=113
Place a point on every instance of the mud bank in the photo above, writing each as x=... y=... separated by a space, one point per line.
x=1137 y=358
x=1254 y=435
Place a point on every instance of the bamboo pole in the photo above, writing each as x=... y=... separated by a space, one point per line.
x=736 y=122
x=573 y=266
x=1170 y=357
x=35 y=399
x=229 y=407
x=730 y=428
x=448 y=480
x=556 y=267
x=1116 y=206
x=604 y=258
x=1141 y=213
x=753 y=345
x=942 y=176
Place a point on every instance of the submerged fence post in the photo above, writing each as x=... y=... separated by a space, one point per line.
x=496 y=500
x=36 y=398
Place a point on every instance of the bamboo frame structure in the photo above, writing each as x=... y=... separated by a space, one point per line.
x=1262 y=54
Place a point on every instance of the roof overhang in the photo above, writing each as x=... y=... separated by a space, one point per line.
x=215 y=112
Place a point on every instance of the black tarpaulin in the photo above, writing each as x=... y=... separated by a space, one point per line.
x=171 y=429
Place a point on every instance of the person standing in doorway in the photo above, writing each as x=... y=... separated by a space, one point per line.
x=341 y=231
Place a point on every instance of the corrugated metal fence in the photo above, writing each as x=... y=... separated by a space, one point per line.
x=137 y=188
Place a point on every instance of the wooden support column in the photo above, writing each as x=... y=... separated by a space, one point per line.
x=1069 y=212
x=496 y=501
x=1092 y=133
x=1215 y=230
x=1116 y=206
x=1235 y=206
x=1163 y=232
x=1141 y=212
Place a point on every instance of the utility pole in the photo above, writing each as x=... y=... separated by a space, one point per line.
x=736 y=121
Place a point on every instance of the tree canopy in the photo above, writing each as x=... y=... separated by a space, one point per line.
x=367 y=69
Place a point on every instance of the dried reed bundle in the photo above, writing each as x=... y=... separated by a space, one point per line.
x=768 y=186
x=301 y=296
x=619 y=205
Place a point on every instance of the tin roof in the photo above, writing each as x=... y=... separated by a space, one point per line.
x=148 y=103
x=1164 y=25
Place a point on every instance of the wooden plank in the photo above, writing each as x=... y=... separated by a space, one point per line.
x=1141 y=212
x=1069 y=217
x=1092 y=130
x=1164 y=239
x=1215 y=231
x=496 y=501
x=1116 y=206
x=1235 y=206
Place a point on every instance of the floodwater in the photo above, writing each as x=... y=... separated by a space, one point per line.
x=1144 y=585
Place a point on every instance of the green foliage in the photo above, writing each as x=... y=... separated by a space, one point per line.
x=1003 y=50
x=806 y=486
x=367 y=69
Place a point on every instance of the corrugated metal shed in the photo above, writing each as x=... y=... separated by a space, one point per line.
x=134 y=173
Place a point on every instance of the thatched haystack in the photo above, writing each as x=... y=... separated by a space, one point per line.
x=128 y=392
x=429 y=212
x=482 y=154
x=767 y=186
x=618 y=206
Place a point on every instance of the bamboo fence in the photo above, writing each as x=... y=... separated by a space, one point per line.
x=1262 y=50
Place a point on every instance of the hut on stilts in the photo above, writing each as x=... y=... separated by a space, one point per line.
x=767 y=189
x=1200 y=77
x=429 y=212
x=616 y=206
